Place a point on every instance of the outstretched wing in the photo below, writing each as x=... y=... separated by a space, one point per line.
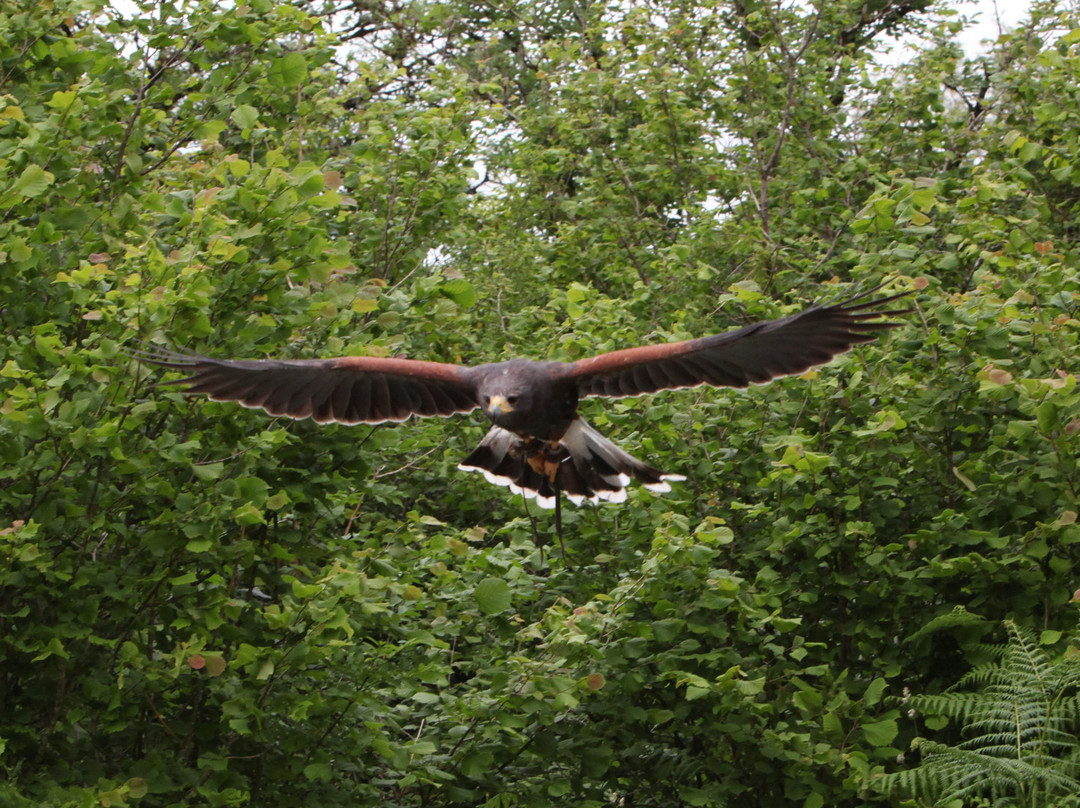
x=349 y=390
x=756 y=353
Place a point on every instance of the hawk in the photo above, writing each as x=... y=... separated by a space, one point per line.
x=538 y=444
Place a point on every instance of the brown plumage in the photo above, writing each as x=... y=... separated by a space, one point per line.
x=538 y=445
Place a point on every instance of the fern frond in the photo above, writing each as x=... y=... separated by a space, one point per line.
x=959 y=617
x=1020 y=718
x=977 y=773
x=988 y=673
x=956 y=706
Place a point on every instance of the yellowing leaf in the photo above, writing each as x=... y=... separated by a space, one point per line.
x=62 y=99
x=963 y=478
x=32 y=182
x=136 y=787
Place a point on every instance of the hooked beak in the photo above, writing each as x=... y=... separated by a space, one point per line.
x=499 y=405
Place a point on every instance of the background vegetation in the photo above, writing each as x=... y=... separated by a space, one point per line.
x=200 y=605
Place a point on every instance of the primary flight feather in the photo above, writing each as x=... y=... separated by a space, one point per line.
x=538 y=445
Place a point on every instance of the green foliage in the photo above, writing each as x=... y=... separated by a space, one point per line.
x=1020 y=727
x=200 y=605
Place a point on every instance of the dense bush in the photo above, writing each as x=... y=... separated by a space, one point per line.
x=200 y=605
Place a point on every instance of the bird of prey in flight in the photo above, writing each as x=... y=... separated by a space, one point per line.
x=538 y=444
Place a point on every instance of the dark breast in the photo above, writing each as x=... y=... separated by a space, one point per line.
x=552 y=413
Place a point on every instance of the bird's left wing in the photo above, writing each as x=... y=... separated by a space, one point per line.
x=349 y=390
x=756 y=353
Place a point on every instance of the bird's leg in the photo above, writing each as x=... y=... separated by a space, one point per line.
x=538 y=540
x=558 y=528
x=534 y=454
x=554 y=454
x=533 y=450
x=544 y=457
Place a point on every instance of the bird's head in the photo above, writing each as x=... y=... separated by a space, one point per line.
x=498 y=405
x=527 y=398
x=506 y=408
x=506 y=400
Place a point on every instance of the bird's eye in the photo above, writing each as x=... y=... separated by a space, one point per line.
x=487 y=400
x=512 y=399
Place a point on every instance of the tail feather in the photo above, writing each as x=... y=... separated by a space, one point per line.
x=501 y=458
x=586 y=465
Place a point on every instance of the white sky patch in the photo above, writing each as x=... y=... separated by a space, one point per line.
x=989 y=19
x=995 y=17
x=125 y=8
x=992 y=18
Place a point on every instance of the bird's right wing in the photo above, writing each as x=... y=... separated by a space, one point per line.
x=348 y=390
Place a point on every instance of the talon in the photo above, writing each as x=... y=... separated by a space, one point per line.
x=544 y=458
x=551 y=468
x=538 y=462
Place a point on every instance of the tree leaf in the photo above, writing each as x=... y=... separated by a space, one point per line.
x=492 y=595
x=245 y=116
x=289 y=71
x=881 y=733
x=32 y=182
x=460 y=291
x=874 y=692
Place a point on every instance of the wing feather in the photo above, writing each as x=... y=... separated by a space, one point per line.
x=682 y=373
x=441 y=400
x=359 y=404
x=755 y=354
x=380 y=398
x=350 y=390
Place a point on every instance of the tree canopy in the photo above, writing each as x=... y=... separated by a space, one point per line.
x=200 y=605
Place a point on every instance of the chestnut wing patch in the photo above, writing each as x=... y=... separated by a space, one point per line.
x=755 y=354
